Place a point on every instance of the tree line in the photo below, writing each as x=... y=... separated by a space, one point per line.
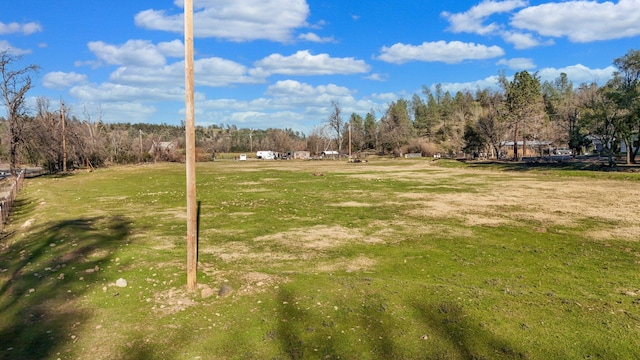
x=522 y=117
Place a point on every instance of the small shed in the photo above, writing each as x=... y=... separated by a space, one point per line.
x=302 y=155
x=162 y=147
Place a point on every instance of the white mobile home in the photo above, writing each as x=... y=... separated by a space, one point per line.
x=266 y=155
x=329 y=154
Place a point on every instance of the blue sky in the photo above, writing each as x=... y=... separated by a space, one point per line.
x=280 y=63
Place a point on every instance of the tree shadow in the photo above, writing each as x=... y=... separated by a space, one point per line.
x=464 y=337
x=571 y=164
x=450 y=333
x=44 y=273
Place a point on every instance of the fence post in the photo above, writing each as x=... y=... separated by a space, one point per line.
x=7 y=202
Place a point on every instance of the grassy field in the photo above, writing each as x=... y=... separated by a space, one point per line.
x=390 y=259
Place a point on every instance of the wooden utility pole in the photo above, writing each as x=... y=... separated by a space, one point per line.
x=192 y=224
x=349 y=141
x=140 y=137
x=64 y=139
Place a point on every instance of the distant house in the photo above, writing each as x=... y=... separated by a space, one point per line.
x=164 y=147
x=302 y=155
x=594 y=144
x=534 y=147
x=636 y=143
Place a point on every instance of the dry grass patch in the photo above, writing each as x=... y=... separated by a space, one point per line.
x=239 y=251
x=628 y=233
x=159 y=242
x=552 y=203
x=351 y=204
x=316 y=238
x=361 y=263
x=176 y=213
x=254 y=190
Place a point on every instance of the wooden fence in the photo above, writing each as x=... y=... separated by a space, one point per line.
x=8 y=196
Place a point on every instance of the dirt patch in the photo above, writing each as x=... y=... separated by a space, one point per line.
x=316 y=238
x=239 y=251
x=350 y=204
x=172 y=301
x=361 y=263
x=255 y=282
x=242 y=283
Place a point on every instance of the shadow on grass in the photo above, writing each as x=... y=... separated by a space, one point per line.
x=587 y=164
x=464 y=337
x=43 y=275
x=449 y=333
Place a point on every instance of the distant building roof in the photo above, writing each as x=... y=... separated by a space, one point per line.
x=529 y=143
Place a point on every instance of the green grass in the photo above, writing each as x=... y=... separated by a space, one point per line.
x=341 y=265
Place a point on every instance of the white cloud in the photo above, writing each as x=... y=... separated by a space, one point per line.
x=288 y=103
x=582 y=21
x=312 y=37
x=287 y=95
x=377 y=77
x=235 y=20
x=127 y=112
x=25 y=29
x=305 y=63
x=448 y=52
x=214 y=72
x=149 y=76
x=472 y=20
x=294 y=93
x=62 y=80
x=490 y=82
x=254 y=119
x=173 y=48
x=578 y=74
x=229 y=105
x=133 y=52
x=221 y=72
x=388 y=97
x=6 y=46
x=518 y=63
x=523 y=40
x=109 y=92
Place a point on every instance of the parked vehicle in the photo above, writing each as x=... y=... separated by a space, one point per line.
x=563 y=152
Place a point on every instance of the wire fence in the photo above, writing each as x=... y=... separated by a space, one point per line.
x=8 y=196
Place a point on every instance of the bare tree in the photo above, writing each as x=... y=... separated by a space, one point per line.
x=42 y=137
x=318 y=140
x=337 y=124
x=14 y=85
